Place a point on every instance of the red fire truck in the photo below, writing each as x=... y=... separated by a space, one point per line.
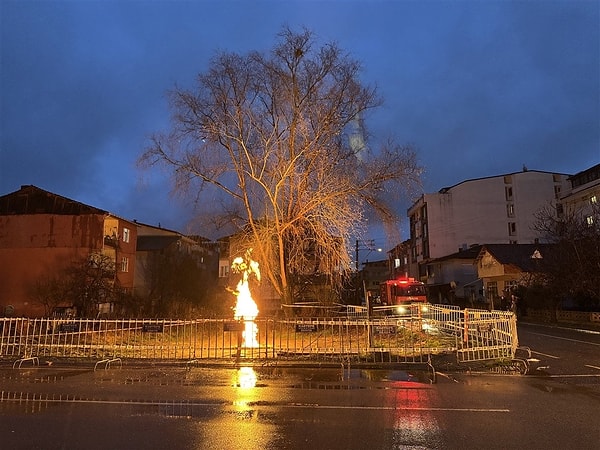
x=401 y=292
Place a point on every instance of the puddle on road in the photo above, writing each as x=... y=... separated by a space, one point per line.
x=21 y=401
x=40 y=375
x=349 y=378
x=28 y=403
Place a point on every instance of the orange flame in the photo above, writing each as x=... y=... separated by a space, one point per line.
x=246 y=308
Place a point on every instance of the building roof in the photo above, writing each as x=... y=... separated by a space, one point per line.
x=525 y=170
x=154 y=243
x=585 y=176
x=381 y=262
x=522 y=256
x=468 y=253
x=33 y=200
x=153 y=230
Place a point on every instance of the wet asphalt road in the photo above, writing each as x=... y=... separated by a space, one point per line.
x=177 y=407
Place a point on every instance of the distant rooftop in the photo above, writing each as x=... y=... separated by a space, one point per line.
x=33 y=200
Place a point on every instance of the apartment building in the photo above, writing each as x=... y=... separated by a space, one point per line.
x=42 y=234
x=169 y=264
x=454 y=279
x=583 y=194
x=371 y=276
x=492 y=210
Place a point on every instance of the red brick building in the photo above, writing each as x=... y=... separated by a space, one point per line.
x=42 y=233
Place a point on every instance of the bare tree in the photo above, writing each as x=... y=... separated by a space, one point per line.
x=266 y=135
x=85 y=283
x=177 y=280
x=91 y=281
x=572 y=268
x=50 y=291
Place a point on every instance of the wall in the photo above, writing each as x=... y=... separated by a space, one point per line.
x=34 y=246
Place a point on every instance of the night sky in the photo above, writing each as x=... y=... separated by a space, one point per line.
x=480 y=88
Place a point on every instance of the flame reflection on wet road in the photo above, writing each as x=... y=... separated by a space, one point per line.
x=245 y=407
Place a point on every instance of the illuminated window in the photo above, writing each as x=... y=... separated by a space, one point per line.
x=124 y=264
x=593 y=200
x=510 y=210
x=510 y=285
x=224 y=271
x=590 y=220
x=125 y=234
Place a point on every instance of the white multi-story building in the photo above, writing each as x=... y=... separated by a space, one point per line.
x=493 y=210
x=584 y=193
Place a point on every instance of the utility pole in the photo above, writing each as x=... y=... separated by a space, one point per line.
x=366 y=245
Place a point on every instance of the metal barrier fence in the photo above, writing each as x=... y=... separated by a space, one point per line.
x=410 y=338
x=340 y=339
x=487 y=335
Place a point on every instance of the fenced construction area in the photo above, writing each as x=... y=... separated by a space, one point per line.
x=352 y=335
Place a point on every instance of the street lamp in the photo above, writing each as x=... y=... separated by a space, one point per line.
x=365 y=245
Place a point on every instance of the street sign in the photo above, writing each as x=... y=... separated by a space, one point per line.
x=152 y=328
x=233 y=325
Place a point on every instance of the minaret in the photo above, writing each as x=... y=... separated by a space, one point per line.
x=356 y=136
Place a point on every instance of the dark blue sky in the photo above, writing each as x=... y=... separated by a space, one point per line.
x=479 y=87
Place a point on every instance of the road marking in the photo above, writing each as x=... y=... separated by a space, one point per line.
x=579 y=330
x=545 y=354
x=592 y=367
x=594 y=375
x=567 y=339
x=397 y=408
x=19 y=399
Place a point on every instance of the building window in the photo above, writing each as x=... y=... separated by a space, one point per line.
x=430 y=271
x=590 y=220
x=124 y=264
x=593 y=200
x=508 y=191
x=510 y=210
x=512 y=228
x=425 y=250
x=507 y=179
x=492 y=290
x=559 y=209
x=224 y=271
x=556 y=191
x=510 y=286
x=125 y=234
